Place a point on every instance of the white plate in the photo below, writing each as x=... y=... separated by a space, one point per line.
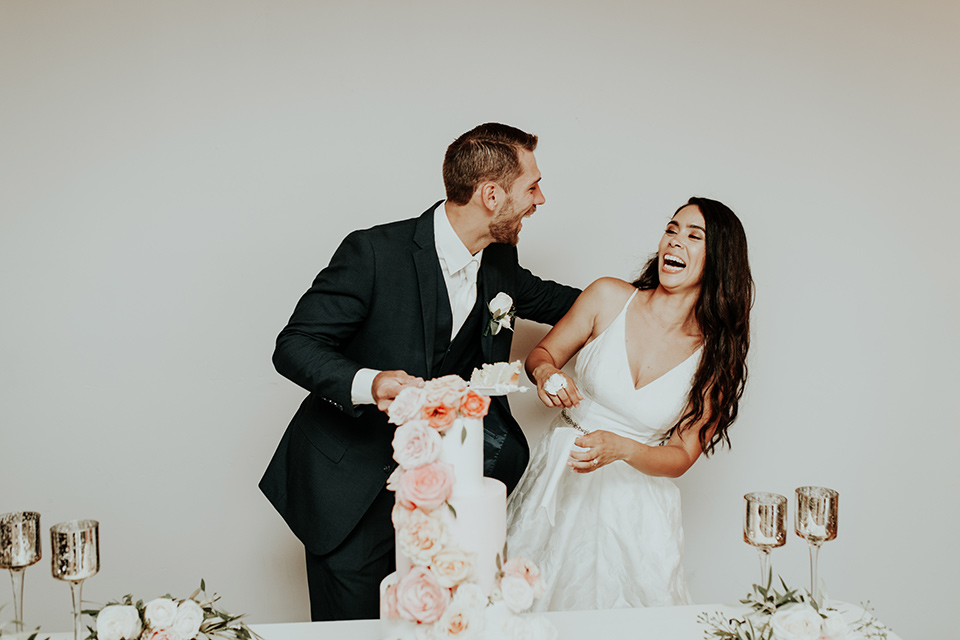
x=498 y=390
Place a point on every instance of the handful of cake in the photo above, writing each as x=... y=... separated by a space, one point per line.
x=453 y=579
x=497 y=378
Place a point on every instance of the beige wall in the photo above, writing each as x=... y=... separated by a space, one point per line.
x=175 y=173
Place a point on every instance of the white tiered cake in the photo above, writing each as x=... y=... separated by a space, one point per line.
x=450 y=525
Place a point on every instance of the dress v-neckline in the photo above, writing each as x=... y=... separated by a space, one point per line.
x=626 y=356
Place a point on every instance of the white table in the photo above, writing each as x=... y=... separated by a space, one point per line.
x=661 y=623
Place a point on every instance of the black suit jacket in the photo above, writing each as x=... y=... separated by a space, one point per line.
x=375 y=306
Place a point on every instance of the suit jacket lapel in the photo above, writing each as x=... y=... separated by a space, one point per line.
x=489 y=285
x=425 y=261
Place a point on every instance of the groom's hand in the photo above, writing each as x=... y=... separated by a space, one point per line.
x=387 y=384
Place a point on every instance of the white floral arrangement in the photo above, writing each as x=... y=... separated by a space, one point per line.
x=438 y=593
x=167 y=618
x=791 y=615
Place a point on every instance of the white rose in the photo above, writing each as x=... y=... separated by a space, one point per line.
x=834 y=628
x=118 y=622
x=517 y=593
x=160 y=613
x=188 y=619
x=500 y=304
x=415 y=444
x=500 y=308
x=796 y=622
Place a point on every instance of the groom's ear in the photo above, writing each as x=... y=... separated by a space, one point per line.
x=491 y=195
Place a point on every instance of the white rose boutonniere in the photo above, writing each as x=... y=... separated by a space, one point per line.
x=502 y=313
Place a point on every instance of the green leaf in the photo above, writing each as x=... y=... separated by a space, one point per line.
x=452 y=510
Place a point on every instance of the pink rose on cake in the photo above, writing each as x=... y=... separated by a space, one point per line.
x=447 y=390
x=474 y=405
x=452 y=566
x=523 y=568
x=439 y=415
x=420 y=537
x=406 y=406
x=388 y=601
x=415 y=444
x=425 y=487
x=420 y=598
x=400 y=513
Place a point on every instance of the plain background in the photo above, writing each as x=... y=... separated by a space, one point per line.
x=175 y=173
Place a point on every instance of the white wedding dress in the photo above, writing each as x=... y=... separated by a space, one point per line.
x=613 y=537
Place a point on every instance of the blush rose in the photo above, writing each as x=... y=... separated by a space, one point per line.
x=474 y=405
x=425 y=487
x=420 y=537
x=415 y=444
x=420 y=598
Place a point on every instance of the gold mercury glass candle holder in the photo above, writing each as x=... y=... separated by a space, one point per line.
x=19 y=548
x=74 y=557
x=765 y=526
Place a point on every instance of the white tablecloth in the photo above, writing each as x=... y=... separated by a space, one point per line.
x=660 y=623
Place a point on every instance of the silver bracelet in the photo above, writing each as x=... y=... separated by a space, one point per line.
x=573 y=423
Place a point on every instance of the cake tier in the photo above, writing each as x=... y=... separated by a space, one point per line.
x=462 y=447
x=479 y=527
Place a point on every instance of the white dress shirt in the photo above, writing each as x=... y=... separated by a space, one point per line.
x=459 y=270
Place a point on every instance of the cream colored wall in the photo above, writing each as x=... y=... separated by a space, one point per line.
x=175 y=173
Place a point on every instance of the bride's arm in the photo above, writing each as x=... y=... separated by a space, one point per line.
x=670 y=460
x=567 y=337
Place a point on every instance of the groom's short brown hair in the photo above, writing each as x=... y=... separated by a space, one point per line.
x=488 y=152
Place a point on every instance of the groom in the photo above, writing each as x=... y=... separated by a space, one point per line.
x=398 y=304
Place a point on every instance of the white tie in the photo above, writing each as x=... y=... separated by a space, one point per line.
x=465 y=297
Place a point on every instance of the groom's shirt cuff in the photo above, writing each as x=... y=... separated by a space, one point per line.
x=361 y=392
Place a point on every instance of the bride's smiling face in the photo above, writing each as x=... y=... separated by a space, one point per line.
x=683 y=249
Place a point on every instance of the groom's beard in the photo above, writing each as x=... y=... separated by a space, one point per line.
x=505 y=228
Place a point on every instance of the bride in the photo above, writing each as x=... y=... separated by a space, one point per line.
x=660 y=372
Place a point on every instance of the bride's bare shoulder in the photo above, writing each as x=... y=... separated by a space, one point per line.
x=604 y=298
x=609 y=291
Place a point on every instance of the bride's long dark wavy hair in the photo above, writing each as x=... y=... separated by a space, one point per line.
x=723 y=313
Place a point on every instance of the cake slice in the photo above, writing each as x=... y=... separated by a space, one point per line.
x=494 y=375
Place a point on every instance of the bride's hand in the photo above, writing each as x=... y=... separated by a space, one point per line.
x=567 y=396
x=601 y=448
